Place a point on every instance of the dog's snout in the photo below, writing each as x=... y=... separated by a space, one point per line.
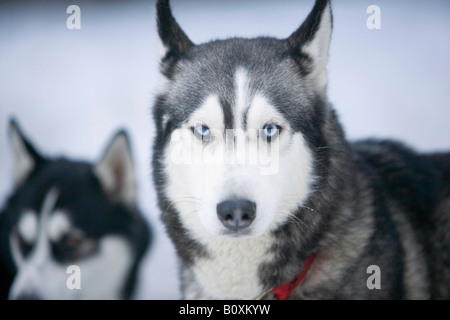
x=236 y=214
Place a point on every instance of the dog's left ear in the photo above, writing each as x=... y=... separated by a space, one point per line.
x=175 y=42
x=115 y=170
x=25 y=158
x=309 y=44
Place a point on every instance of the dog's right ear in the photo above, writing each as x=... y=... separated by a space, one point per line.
x=115 y=170
x=310 y=43
x=24 y=156
x=174 y=41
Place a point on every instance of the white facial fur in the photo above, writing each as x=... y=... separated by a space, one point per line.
x=196 y=187
x=59 y=224
x=102 y=274
x=28 y=227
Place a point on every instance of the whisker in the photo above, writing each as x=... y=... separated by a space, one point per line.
x=317 y=161
x=193 y=200
x=192 y=212
x=297 y=219
x=284 y=202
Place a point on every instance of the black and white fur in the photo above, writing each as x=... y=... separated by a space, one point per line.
x=354 y=205
x=63 y=212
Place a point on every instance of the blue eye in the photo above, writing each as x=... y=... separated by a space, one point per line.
x=201 y=132
x=271 y=131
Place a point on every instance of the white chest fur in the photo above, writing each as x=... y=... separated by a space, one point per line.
x=231 y=270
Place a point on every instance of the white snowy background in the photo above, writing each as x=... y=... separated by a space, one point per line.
x=71 y=90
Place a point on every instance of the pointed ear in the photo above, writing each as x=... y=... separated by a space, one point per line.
x=115 y=170
x=174 y=41
x=24 y=157
x=309 y=44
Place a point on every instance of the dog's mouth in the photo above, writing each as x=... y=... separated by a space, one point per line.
x=246 y=233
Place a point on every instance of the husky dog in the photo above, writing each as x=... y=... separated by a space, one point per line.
x=65 y=213
x=332 y=220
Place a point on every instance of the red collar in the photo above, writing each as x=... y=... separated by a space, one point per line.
x=283 y=291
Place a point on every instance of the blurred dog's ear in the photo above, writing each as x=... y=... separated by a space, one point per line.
x=310 y=43
x=115 y=170
x=25 y=158
x=175 y=43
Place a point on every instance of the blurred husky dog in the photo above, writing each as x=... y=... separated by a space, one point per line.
x=333 y=220
x=64 y=213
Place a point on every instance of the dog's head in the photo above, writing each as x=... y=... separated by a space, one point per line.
x=72 y=228
x=239 y=125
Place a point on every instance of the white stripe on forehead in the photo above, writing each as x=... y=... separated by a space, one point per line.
x=49 y=203
x=41 y=252
x=242 y=98
x=253 y=107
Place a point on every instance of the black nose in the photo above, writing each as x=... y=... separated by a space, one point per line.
x=236 y=214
